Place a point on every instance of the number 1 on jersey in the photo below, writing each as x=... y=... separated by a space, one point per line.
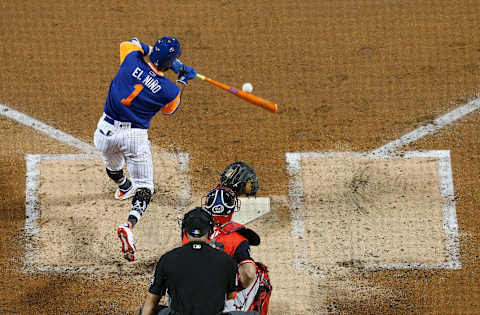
x=128 y=101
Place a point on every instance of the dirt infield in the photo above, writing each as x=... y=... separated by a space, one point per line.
x=372 y=212
x=362 y=237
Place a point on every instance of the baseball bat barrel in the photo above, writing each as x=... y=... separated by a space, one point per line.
x=256 y=100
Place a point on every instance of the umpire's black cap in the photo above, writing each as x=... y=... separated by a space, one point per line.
x=197 y=222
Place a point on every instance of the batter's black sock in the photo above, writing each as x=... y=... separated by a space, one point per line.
x=125 y=186
x=133 y=220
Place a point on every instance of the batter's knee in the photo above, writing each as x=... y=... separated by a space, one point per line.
x=116 y=176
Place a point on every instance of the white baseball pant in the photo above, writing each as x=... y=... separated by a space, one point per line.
x=120 y=144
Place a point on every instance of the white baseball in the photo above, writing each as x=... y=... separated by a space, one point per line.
x=247 y=87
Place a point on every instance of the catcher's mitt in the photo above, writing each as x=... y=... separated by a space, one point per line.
x=241 y=178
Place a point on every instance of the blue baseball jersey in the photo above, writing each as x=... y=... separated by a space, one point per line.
x=139 y=91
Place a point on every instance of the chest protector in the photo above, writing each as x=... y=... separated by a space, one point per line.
x=229 y=236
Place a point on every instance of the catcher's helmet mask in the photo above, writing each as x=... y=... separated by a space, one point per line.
x=221 y=202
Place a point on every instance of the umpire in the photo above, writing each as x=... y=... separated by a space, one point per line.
x=196 y=276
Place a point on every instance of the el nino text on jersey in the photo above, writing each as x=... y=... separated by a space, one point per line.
x=148 y=81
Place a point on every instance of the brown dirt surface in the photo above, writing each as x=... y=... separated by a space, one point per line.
x=347 y=76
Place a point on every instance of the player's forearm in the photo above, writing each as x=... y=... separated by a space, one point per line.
x=148 y=310
x=247 y=273
x=245 y=281
x=181 y=86
x=150 y=303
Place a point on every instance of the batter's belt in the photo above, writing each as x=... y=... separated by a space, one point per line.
x=121 y=124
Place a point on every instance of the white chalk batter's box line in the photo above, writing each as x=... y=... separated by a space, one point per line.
x=32 y=204
x=450 y=225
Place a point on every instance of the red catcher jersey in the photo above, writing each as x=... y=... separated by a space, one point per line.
x=228 y=242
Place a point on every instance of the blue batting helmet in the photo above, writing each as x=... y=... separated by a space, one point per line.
x=164 y=52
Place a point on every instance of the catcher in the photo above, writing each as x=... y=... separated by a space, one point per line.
x=254 y=287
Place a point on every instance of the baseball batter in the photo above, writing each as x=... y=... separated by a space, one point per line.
x=137 y=93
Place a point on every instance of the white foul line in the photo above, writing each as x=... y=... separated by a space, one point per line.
x=46 y=129
x=421 y=132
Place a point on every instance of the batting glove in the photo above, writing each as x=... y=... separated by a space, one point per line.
x=186 y=74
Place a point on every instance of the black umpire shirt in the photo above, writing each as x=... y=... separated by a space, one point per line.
x=197 y=278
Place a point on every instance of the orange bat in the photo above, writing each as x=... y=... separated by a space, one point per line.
x=263 y=103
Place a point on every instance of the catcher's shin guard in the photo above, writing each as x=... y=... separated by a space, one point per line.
x=262 y=298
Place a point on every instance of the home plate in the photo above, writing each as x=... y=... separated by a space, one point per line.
x=251 y=208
